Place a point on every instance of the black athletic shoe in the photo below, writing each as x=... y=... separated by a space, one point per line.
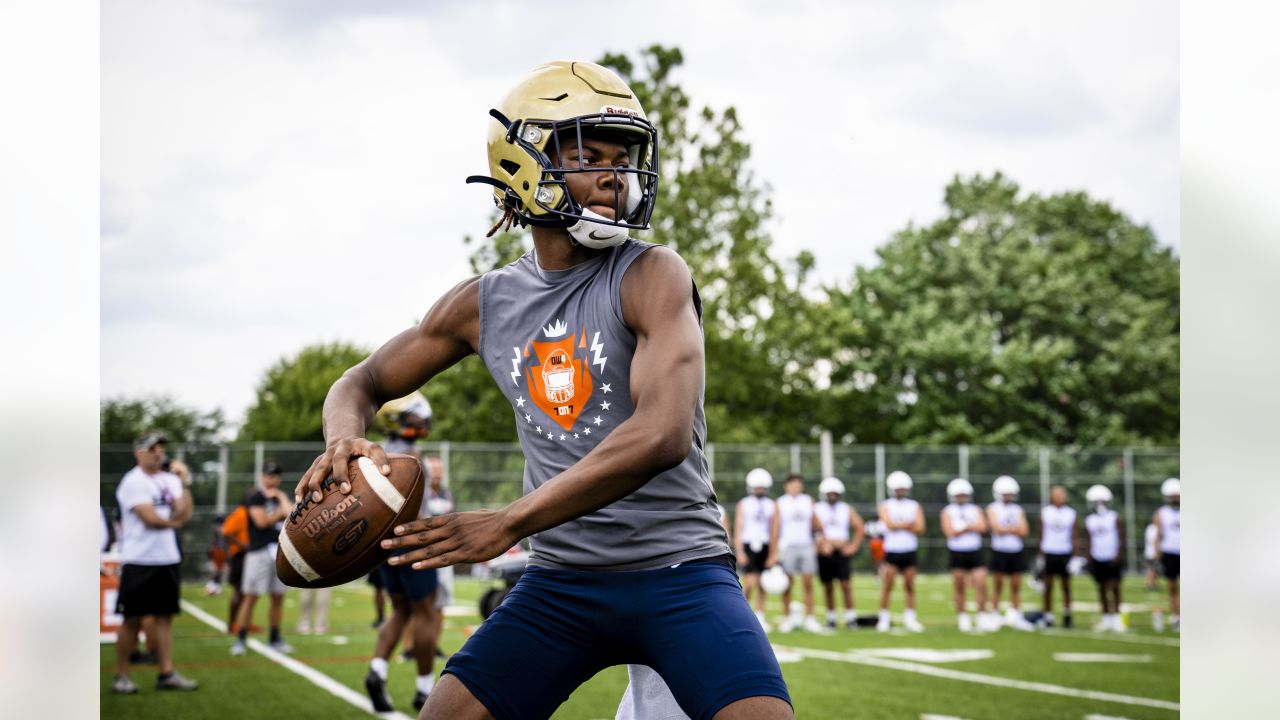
x=1066 y=620
x=377 y=689
x=419 y=699
x=407 y=655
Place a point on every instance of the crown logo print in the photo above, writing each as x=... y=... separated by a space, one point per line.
x=555 y=330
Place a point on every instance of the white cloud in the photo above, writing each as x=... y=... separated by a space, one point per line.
x=285 y=173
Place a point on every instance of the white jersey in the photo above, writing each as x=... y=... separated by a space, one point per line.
x=1057 y=530
x=1170 y=519
x=1104 y=535
x=1007 y=517
x=966 y=515
x=902 y=511
x=139 y=544
x=757 y=519
x=835 y=519
x=1149 y=542
x=795 y=520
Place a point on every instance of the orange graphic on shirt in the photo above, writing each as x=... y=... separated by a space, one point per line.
x=560 y=381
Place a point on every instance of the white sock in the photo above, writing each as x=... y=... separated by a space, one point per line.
x=850 y=616
x=884 y=615
x=908 y=614
x=379 y=666
x=831 y=616
x=426 y=683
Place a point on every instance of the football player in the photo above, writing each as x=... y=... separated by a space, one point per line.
x=1168 y=522
x=903 y=521
x=842 y=533
x=1008 y=525
x=1058 y=544
x=755 y=537
x=963 y=524
x=797 y=526
x=595 y=340
x=1104 y=543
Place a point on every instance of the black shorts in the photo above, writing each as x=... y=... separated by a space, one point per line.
x=1172 y=564
x=964 y=559
x=375 y=577
x=1104 y=570
x=1055 y=564
x=835 y=566
x=902 y=560
x=755 y=560
x=1007 y=563
x=148 y=590
x=235 y=570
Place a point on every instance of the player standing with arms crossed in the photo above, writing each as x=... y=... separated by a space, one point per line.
x=903 y=521
x=837 y=548
x=963 y=524
x=1008 y=525
x=595 y=339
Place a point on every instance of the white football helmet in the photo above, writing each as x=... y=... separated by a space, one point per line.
x=775 y=580
x=1004 y=485
x=1171 y=487
x=959 y=487
x=759 y=478
x=831 y=485
x=1097 y=494
x=898 y=480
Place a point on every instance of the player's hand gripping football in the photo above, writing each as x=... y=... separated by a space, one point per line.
x=464 y=537
x=333 y=463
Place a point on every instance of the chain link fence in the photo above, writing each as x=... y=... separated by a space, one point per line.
x=491 y=475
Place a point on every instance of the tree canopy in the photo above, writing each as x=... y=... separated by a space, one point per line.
x=123 y=420
x=291 y=395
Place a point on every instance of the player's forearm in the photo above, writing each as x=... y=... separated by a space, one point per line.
x=631 y=456
x=350 y=405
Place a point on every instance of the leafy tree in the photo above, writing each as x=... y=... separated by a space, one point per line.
x=291 y=395
x=122 y=420
x=1012 y=319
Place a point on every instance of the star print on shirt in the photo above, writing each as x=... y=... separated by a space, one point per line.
x=561 y=436
x=597 y=420
x=604 y=405
x=551 y=436
x=520 y=401
x=539 y=429
x=528 y=417
x=575 y=436
x=586 y=431
x=605 y=387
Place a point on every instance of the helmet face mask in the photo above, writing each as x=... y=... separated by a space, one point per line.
x=570 y=103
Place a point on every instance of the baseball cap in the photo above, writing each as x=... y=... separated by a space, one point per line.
x=271 y=467
x=149 y=440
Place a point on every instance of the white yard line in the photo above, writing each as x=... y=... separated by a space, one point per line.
x=333 y=687
x=862 y=659
x=1117 y=637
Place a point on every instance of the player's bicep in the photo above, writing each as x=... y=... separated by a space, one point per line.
x=667 y=368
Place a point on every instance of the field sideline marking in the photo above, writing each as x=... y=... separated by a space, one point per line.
x=1118 y=637
x=860 y=659
x=315 y=676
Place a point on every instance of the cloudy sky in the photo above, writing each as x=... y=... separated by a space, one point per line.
x=276 y=174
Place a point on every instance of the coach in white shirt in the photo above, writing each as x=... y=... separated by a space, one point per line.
x=153 y=504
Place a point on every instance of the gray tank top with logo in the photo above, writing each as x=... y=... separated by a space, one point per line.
x=557 y=346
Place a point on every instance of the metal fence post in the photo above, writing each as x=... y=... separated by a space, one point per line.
x=879 y=473
x=964 y=461
x=1044 y=475
x=222 y=479
x=795 y=457
x=258 y=450
x=1130 y=524
x=826 y=455
x=444 y=461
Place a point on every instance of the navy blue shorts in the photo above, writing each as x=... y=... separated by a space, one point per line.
x=404 y=580
x=558 y=628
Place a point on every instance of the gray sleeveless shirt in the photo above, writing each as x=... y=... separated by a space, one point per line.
x=557 y=346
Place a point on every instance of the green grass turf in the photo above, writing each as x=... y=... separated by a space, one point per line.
x=254 y=687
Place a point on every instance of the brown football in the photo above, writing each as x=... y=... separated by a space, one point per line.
x=337 y=540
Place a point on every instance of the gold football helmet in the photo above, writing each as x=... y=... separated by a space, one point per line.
x=568 y=97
